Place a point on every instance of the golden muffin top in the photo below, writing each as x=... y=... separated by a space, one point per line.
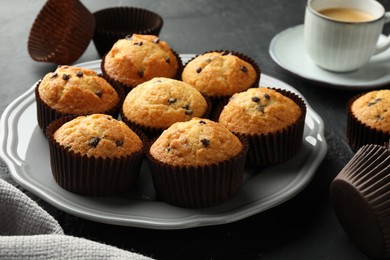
x=195 y=143
x=98 y=135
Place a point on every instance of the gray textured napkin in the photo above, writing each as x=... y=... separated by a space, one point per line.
x=29 y=232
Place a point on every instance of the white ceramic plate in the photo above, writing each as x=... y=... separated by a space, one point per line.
x=287 y=49
x=25 y=151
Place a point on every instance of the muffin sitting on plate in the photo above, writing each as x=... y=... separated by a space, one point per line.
x=220 y=74
x=271 y=119
x=197 y=163
x=158 y=103
x=74 y=91
x=94 y=155
x=139 y=58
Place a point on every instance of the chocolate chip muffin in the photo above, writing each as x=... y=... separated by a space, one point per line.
x=273 y=121
x=74 y=91
x=198 y=163
x=219 y=74
x=139 y=58
x=158 y=103
x=368 y=118
x=94 y=154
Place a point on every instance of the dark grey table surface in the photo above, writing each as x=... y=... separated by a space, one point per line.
x=304 y=227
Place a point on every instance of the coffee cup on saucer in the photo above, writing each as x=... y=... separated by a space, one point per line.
x=341 y=36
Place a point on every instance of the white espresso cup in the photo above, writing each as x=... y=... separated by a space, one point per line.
x=342 y=35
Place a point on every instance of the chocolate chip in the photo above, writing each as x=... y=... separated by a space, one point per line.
x=260 y=108
x=79 y=74
x=255 y=99
x=168 y=60
x=156 y=40
x=94 y=141
x=202 y=122
x=244 y=69
x=205 y=142
x=128 y=37
x=65 y=76
x=157 y=81
x=98 y=93
x=379 y=118
x=374 y=102
x=140 y=73
x=186 y=106
x=138 y=43
x=198 y=70
x=188 y=112
x=172 y=100
x=266 y=96
x=225 y=53
x=119 y=143
x=168 y=149
x=208 y=60
x=54 y=75
x=108 y=118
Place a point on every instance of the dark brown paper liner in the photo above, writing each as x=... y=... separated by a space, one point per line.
x=358 y=133
x=61 y=32
x=275 y=148
x=91 y=176
x=198 y=186
x=152 y=132
x=360 y=195
x=115 y=23
x=127 y=88
x=224 y=99
x=46 y=114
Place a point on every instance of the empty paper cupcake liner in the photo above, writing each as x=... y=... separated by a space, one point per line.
x=61 y=32
x=115 y=23
x=360 y=196
x=127 y=88
x=275 y=148
x=198 y=186
x=216 y=100
x=152 y=132
x=358 y=133
x=91 y=176
x=46 y=114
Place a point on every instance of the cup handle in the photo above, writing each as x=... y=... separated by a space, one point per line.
x=386 y=43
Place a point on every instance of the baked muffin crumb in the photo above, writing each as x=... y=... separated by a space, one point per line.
x=98 y=135
x=194 y=143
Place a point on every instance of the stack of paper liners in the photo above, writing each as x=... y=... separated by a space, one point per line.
x=61 y=32
x=116 y=23
x=360 y=194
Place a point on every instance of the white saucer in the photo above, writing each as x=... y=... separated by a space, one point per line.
x=287 y=49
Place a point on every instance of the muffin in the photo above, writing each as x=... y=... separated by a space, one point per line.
x=94 y=155
x=139 y=58
x=197 y=164
x=368 y=118
x=273 y=121
x=361 y=200
x=158 y=103
x=220 y=74
x=61 y=32
x=74 y=91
